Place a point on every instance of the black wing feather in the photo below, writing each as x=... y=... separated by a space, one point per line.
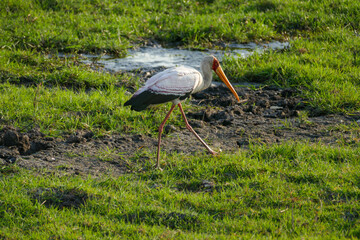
x=146 y=98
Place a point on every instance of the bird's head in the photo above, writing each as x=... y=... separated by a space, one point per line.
x=218 y=70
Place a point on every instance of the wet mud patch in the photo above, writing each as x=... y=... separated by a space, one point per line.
x=60 y=197
x=269 y=102
x=74 y=154
x=23 y=143
x=268 y=115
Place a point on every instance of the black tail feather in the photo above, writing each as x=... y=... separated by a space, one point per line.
x=145 y=99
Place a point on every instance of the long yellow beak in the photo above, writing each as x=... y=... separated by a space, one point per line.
x=223 y=78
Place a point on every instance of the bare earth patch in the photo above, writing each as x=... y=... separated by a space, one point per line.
x=269 y=115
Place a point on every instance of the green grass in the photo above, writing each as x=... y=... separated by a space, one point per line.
x=323 y=59
x=94 y=25
x=55 y=110
x=283 y=191
x=328 y=74
x=291 y=190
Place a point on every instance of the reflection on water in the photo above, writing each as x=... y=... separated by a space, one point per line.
x=151 y=57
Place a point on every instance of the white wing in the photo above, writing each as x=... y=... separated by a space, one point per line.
x=173 y=81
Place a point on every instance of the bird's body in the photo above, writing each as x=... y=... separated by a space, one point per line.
x=175 y=85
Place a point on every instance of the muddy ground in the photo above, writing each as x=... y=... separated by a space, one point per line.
x=267 y=115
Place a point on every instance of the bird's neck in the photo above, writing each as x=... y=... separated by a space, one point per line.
x=207 y=77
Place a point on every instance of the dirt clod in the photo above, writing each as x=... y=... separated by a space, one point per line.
x=11 y=138
x=75 y=139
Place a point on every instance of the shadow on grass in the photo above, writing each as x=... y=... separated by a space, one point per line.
x=173 y=220
x=59 y=197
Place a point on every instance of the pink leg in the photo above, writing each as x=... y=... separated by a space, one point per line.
x=192 y=130
x=161 y=127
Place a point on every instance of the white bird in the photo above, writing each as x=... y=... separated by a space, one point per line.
x=175 y=85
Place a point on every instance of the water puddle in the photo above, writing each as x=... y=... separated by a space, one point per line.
x=152 y=57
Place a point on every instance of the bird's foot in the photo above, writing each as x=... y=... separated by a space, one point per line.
x=212 y=152
x=158 y=167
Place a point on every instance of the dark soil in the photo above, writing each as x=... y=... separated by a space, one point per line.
x=268 y=115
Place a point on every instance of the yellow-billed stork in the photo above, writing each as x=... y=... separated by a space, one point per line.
x=175 y=85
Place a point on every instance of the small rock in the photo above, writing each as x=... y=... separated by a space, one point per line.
x=50 y=159
x=276 y=108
